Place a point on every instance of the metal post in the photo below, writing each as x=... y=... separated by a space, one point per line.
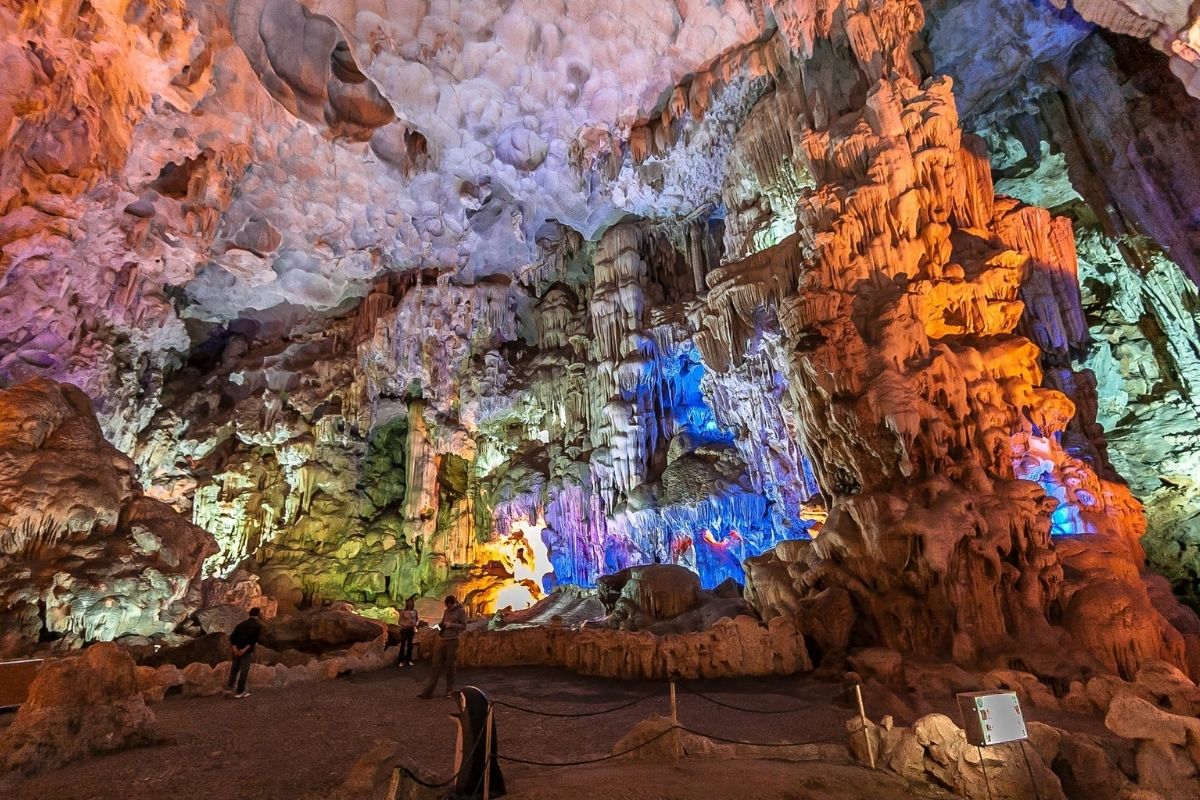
x=487 y=754
x=983 y=768
x=862 y=715
x=674 y=708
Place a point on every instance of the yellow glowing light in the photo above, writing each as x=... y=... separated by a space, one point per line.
x=525 y=555
x=535 y=563
x=516 y=596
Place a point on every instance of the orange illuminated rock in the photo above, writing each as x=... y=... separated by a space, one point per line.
x=77 y=707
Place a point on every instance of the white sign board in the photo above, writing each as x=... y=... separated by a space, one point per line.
x=992 y=718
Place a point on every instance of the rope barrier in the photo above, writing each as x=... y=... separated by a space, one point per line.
x=675 y=726
x=575 y=715
x=723 y=704
x=627 y=751
x=608 y=757
x=413 y=777
x=466 y=760
x=823 y=740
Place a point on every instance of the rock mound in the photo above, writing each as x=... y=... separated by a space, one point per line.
x=321 y=629
x=77 y=706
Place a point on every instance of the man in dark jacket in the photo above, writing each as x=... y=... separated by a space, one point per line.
x=241 y=643
x=445 y=651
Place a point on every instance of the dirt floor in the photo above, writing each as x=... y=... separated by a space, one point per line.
x=706 y=780
x=301 y=741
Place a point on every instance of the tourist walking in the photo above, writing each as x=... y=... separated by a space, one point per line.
x=445 y=651
x=242 y=641
x=408 y=629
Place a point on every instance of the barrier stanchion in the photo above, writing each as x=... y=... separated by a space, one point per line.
x=487 y=755
x=862 y=715
x=674 y=707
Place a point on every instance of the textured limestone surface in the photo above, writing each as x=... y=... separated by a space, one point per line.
x=1152 y=750
x=1051 y=117
x=84 y=555
x=77 y=707
x=861 y=305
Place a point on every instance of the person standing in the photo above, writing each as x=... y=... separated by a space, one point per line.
x=445 y=651
x=408 y=629
x=242 y=641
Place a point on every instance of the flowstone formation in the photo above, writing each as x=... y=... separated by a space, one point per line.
x=931 y=427
x=1078 y=100
x=402 y=299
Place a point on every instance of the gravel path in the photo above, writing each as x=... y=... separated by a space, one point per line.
x=302 y=740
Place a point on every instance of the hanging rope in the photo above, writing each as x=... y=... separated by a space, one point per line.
x=578 y=714
x=608 y=757
x=417 y=779
x=733 y=707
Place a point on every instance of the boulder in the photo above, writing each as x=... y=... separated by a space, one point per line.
x=1026 y=686
x=880 y=663
x=1086 y=769
x=710 y=611
x=1131 y=717
x=1167 y=770
x=155 y=682
x=321 y=629
x=211 y=649
x=1161 y=682
x=637 y=597
x=827 y=619
x=220 y=619
x=77 y=706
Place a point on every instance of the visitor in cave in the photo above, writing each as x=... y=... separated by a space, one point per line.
x=445 y=651
x=242 y=641
x=408 y=629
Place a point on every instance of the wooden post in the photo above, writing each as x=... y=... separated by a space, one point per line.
x=393 y=785
x=676 y=747
x=487 y=755
x=862 y=715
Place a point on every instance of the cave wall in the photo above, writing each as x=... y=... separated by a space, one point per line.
x=396 y=301
x=84 y=554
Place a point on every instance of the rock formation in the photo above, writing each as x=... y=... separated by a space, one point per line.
x=1089 y=100
x=1153 y=754
x=728 y=647
x=77 y=706
x=403 y=299
x=84 y=555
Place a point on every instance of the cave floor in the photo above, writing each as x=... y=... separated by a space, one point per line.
x=301 y=741
x=719 y=780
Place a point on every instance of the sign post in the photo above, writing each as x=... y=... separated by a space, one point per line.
x=992 y=718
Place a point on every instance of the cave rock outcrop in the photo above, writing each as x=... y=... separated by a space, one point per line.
x=84 y=555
